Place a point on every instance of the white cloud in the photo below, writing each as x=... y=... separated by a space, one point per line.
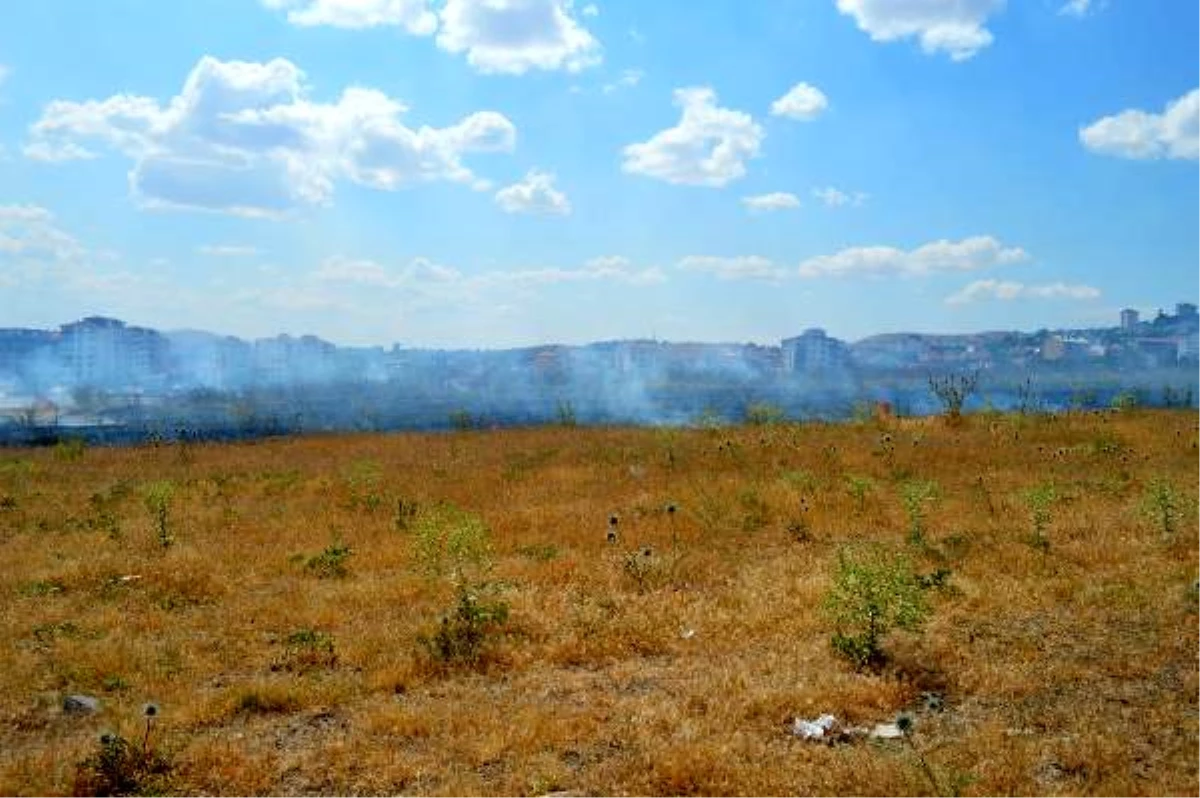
x=1174 y=133
x=775 y=201
x=1075 y=8
x=970 y=254
x=4 y=72
x=742 y=267
x=243 y=138
x=498 y=36
x=227 y=250
x=423 y=277
x=414 y=16
x=629 y=78
x=1007 y=291
x=534 y=194
x=803 y=101
x=708 y=147
x=30 y=237
x=835 y=198
x=513 y=36
x=955 y=27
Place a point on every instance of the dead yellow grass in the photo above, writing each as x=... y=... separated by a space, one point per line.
x=1067 y=671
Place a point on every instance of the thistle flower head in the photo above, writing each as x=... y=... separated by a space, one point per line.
x=150 y=710
x=904 y=722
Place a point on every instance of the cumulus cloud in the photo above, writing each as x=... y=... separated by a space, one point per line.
x=955 y=27
x=244 y=138
x=414 y=16
x=30 y=235
x=514 y=36
x=708 y=147
x=775 y=201
x=1174 y=133
x=498 y=36
x=803 y=101
x=1007 y=291
x=742 y=267
x=534 y=194
x=970 y=254
x=835 y=198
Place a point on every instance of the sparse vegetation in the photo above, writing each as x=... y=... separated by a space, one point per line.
x=487 y=638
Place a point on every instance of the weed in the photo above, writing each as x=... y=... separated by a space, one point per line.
x=307 y=650
x=69 y=449
x=157 y=498
x=798 y=528
x=763 y=413
x=363 y=478
x=451 y=541
x=756 y=514
x=1039 y=500
x=916 y=495
x=461 y=420
x=406 y=513
x=958 y=781
x=564 y=413
x=953 y=390
x=541 y=552
x=858 y=487
x=1162 y=505
x=874 y=590
x=462 y=634
x=120 y=767
x=644 y=567
x=41 y=587
x=330 y=563
x=266 y=701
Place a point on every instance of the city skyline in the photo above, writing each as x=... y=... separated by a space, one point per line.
x=461 y=174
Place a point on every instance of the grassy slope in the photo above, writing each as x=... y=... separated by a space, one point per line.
x=1071 y=671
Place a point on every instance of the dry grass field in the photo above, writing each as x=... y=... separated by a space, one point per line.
x=270 y=600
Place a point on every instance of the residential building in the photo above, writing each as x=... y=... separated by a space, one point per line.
x=814 y=351
x=1129 y=319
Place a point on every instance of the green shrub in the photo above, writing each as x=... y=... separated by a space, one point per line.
x=451 y=542
x=121 y=767
x=330 y=563
x=1040 y=499
x=157 y=498
x=874 y=590
x=69 y=449
x=462 y=634
x=1162 y=504
x=916 y=494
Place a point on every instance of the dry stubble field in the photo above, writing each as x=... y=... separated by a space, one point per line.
x=1055 y=662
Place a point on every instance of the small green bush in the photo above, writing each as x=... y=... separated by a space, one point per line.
x=916 y=495
x=874 y=590
x=462 y=635
x=330 y=563
x=451 y=542
x=157 y=498
x=1162 y=504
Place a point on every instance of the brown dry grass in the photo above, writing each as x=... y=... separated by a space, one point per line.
x=1066 y=672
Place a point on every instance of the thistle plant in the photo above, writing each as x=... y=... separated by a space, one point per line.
x=916 y=495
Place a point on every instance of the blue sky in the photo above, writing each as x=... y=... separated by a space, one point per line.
x=491 y=173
